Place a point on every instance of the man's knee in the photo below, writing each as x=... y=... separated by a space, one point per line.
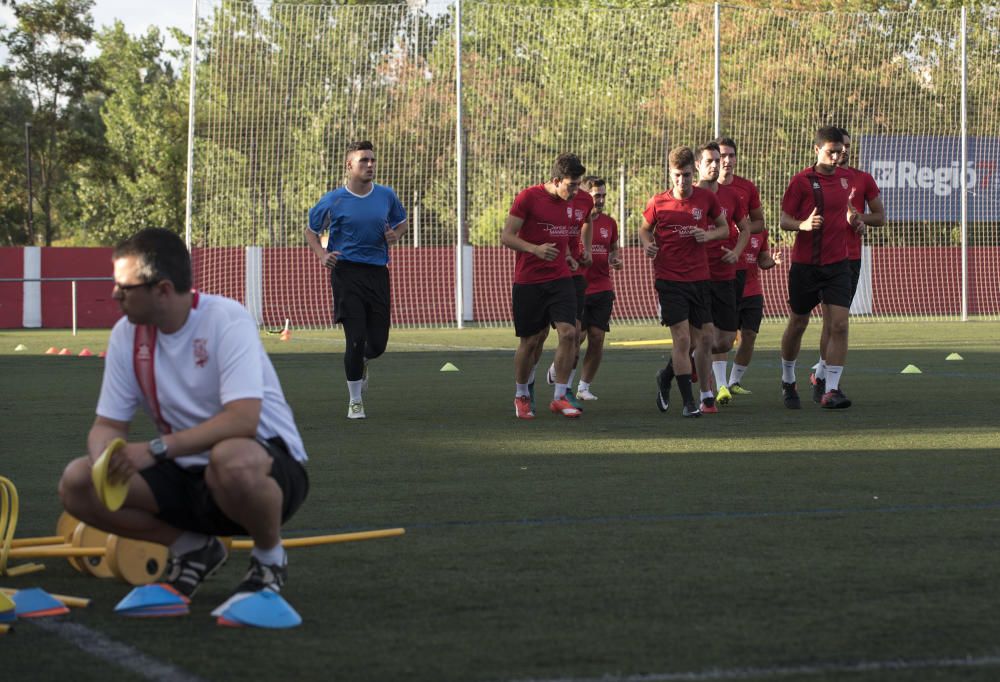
x=567 y=333
x=595 y=337
x=75 y=482
x=237 y=464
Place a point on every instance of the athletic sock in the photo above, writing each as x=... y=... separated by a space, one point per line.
x=736 y=375
x=354 y=388
x=188 y=542
x=719 y=370
x=269 y=557
x=584 y=386
x=552 y=370
x=521 y=389
x=560 y=392
x=788 y=371
x=668 y=372
x=833 y=374
x=706 y=394
x=684 y=384
x=531 y=375
x=572 y=373
x=821 y=369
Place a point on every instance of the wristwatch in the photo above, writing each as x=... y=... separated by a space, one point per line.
x=158 y=449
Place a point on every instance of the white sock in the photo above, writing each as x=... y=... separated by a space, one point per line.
x=270 y=557
x=354 y=388
x=584 y=386
x=821 y=369
x=521 y=389
x=572 y=373
x=188 y=542
x=736 y=375
x=531 y=376
x=560 y=392
x=788 y=371
x=706 y=394
x=833 y=374
x=719 y=370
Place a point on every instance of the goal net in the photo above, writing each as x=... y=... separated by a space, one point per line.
x=283 y=88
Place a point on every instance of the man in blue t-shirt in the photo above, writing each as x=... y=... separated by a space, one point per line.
x=363 y=220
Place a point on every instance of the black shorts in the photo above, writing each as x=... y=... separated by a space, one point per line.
x=855 y=276
x=597 y=311
x=740 y=283
x=725 y=305
x=810 y=285
x=580 y=282
x=536 y=306
x=752 y=312
x=680 y=301
x=360 y=291
x=185 y=501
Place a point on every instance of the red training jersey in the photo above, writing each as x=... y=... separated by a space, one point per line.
x=681 y=258
x=548 y=220
x=734 y=209
x=865 y=190
x=829 y=244
x=604 y=236
x=756 y=245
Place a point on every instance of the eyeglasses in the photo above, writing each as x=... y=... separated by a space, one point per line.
x=130 y=287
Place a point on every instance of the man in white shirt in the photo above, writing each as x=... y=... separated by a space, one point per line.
x=228 y=460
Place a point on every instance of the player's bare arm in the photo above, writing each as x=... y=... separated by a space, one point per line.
x=394 y=234
x=327 y=258
x=720 y=231
x=587 y=239
x=756 y=220
x=791 y=224
x=509 y=238
x=649 y=246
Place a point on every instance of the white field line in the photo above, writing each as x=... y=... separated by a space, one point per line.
x=115 y=653
x=779 y=671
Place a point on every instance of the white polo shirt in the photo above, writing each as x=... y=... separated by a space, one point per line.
x=214 y=359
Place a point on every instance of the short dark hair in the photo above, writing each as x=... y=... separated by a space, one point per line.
x=713 y=146
x=592 y=181
x=725 y=142
x=843 y=132
x=162 y=256
x=567 y=166
x=828 y=134
x=681 y=157
x=359 y=145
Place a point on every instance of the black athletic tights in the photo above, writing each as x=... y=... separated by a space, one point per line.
x=366 y=340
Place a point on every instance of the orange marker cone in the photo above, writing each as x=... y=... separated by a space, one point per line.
x=52 y=351
x=286 y=333
x=64 y=351
x=85 y=353
x=101 y=354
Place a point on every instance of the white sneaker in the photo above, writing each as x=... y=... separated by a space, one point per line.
x=585 y=394
x=356 y=410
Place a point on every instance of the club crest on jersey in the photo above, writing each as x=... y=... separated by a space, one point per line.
x=201 y=352
x=143 y=352
x=569 y=211
x=843 y=183
x=696 y=212
x=604 y=233
x=579 y=214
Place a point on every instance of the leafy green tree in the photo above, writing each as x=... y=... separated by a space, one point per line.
x=46 y=58
x=15 y=111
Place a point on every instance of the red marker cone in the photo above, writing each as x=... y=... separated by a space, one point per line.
x=85 y=353
x=64 y=351
x=52 y=351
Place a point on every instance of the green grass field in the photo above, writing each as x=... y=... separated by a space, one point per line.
x=757 y=544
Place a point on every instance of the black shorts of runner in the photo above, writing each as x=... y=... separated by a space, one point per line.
x=580 y=283
x=725 y=305
x=740 y=283
x=597 y=311
x=360 y=291
x=810 y=285
x=536 y=306
x=855 y=276
x=185 y=501
x=680 y=301
x=752 y=313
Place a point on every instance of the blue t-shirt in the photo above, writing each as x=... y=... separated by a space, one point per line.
x=357 y=224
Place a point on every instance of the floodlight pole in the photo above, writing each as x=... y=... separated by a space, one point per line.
x=964 y=175
x=31 y=198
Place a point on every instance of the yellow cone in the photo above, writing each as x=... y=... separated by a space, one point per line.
x=911 y=369
x=954 y=356
x=20 y=347
x=448 y=367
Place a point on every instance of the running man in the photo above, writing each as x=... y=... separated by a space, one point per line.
x=227 y=460
x=676 y=224
x=544 y=223
x=866 y=193
x=756 y=257
x=816 y=206
x=600 y=293
x=363 y=220
x=723 y=256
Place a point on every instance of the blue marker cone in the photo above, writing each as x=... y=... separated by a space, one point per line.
x=152 y=599
x=265 y=609
x=36 y=602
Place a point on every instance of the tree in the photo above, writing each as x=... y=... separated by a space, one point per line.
x=47 y=61
x=15 y=111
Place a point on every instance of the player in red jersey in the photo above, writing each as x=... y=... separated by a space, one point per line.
x=675 y=226
x=600 y=293
x=756 y=257
x=866 y=194
x=722 y=258
x=544 y=222
x=816 y=206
